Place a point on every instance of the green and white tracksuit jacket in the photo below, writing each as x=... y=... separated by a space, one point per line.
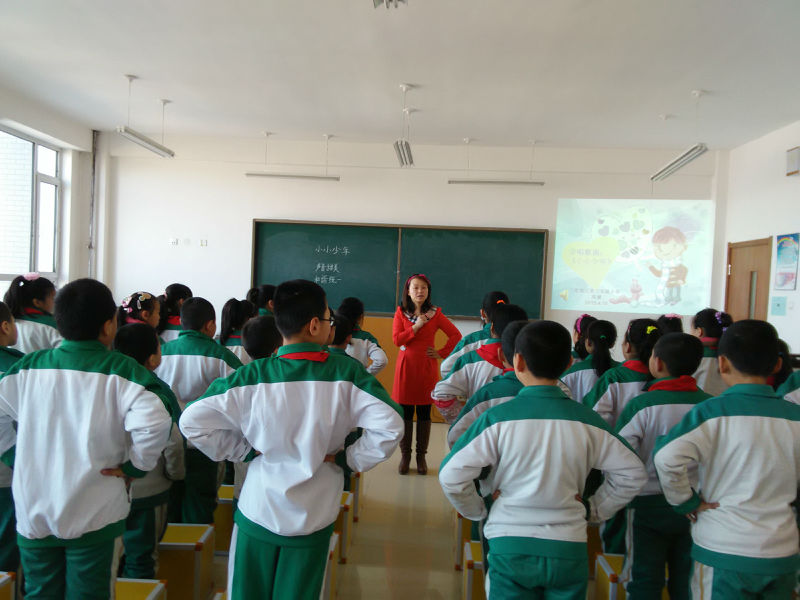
x=364 y=347
x=470 y=373
x=82 y=408
x=36 y=331
x=8 y=356
x=539 y=449
x=172 y=329
x=616 y=388
x=468 y=343
x=294 y=409
x=746 y=443
x=707 y=374
x=501 y=389
x=192 y=362
x=234 y=344
x=790 y=389
x=580 y=378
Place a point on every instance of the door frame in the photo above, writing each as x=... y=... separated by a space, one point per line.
x=767 y=241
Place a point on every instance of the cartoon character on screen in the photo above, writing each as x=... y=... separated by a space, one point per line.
x=669 y=243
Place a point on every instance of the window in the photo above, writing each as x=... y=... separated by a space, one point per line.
x=29 y=198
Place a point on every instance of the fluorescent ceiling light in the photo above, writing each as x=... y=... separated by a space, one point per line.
x=144 y=141
x=403 y=150
x=292 y=176
x=679 y=162
x=495 y=182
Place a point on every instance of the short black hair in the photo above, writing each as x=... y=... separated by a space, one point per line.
x=680 y=352
x=504 y=314
x=296 y=302
x=260 y=337
x=508 y=338
x=545 y=346
x=196 y=312
x=137 y=340
x=82 y=308
x=751 y=346
x=492 y=300
x=261 y=295
x=352 y=308
x=5 y=313
x=344 y=329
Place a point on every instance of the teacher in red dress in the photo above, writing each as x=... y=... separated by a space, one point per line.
x=415 y=325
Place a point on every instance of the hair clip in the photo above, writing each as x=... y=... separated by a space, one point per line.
x=579 y=321
x=718 y=317
x=673 y=316
x=500 y=302
x=651 y=329
x=31 y=276
x=603 y=336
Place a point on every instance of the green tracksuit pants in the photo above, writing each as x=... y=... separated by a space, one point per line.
x=268 y=566
x=712 y=583
x=525 y=577
x=70 y=572
x=144 y=528
x=9 y=553
x=656 y=537
x=200 y=488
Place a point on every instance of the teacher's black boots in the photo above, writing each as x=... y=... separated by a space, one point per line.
x=423 y=436
x=405 y=447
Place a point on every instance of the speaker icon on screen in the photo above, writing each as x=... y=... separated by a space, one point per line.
x=564 y=295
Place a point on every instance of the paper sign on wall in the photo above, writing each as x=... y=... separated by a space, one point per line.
x=786 y=261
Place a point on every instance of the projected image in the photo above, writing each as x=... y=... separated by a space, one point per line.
x=639 y=256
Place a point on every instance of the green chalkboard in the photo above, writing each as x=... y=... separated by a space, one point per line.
x=372 y=262
x=349 y=260
x=464 y=264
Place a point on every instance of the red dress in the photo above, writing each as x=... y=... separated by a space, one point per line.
x=416 y=374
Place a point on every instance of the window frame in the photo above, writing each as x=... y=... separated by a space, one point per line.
x=36 y=179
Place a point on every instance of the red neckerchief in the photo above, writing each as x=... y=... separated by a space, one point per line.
x=684 y=383
x=33 y=311
x=508 y=370
x=490 y=353
x=234 y=337
x=636 y=365
x=710 y=342
x=771 y=381
x=174 y=320
x=314 y=356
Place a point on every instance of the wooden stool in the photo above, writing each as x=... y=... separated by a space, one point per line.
x=186 y=558
x=606 y=577
x=223 y=520
x=140 y=589
x=356 y=485
x=473 y=586
x=463 y=533
x=328 y=591
x=7 y=585
x=344 y=526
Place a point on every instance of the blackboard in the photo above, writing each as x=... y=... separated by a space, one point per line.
x=373 y=261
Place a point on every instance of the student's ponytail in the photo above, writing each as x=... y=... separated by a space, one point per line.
x=642 y=335
x=713 y=322
x=235 y=314
x=581 y=327
x=171 y=301
x=603 y=336
x=24 y=289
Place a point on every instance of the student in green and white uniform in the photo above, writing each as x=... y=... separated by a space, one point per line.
x=581 y=376
x=292 y=412
x=476 y=339
x=189 y=365
x=71 y=506
x=147 y=521
x=538 y=449
x=9 y=554
x=579 y=331
x=746 y=446
x=171 y=300
x=261 y=297
x=235 y=314
x=476 y=368
x=709 y=325
x=790 y=389
x=613 y=391
x=31 y=298
x=363 y=346
x=656 y=535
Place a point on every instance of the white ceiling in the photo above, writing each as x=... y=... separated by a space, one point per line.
x=565 y=72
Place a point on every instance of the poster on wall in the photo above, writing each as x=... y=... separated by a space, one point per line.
x=787 y=247
x=639 y=256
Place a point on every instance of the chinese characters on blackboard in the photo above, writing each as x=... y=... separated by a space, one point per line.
x=329 y=273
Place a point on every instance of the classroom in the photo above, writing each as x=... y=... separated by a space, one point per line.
x=511 y=111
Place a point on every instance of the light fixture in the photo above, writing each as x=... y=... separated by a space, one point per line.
x=470 y=181
x=324 y=177
x=679 y=162
x=402 y=147
x=388 y=3
x=139 y=138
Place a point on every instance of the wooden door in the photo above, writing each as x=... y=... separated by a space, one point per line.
x=747 y=288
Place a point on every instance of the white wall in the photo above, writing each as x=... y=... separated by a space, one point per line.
x=203 y=194
x=763 y=201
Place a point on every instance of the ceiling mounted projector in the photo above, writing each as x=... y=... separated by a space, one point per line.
x=679 y=162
